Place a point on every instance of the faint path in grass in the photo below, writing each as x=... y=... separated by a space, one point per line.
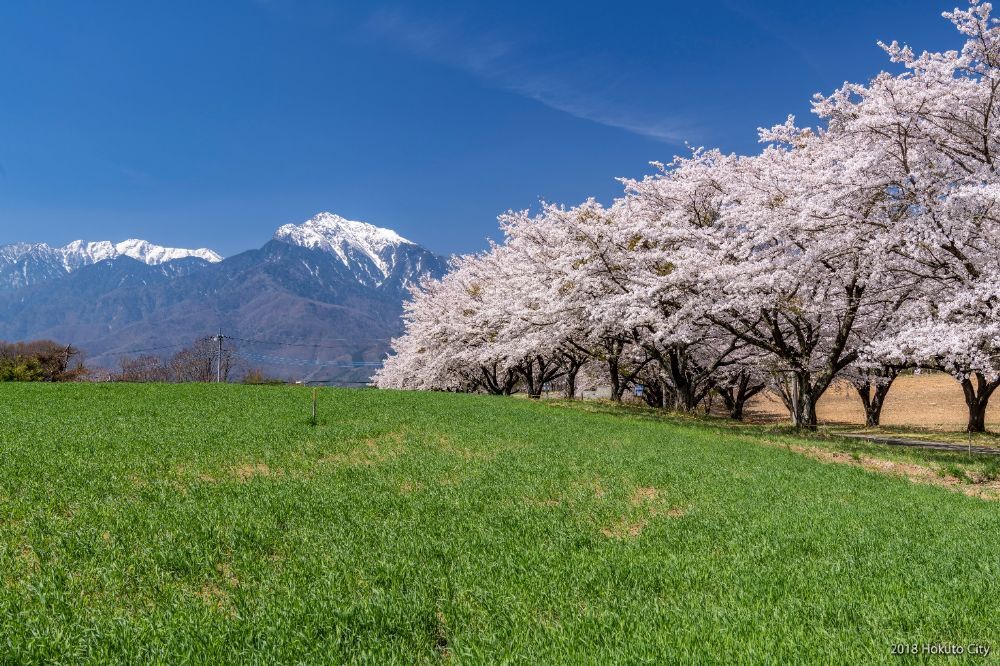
x=924 y=444
x=986 y=490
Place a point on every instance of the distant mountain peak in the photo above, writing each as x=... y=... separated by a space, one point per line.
x=23 y=264
x=83 y=253
x=329 y=229
x=154 y=255
x=325 y=277
x=352 y=241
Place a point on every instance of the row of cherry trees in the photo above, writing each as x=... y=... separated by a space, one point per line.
x=854 y=250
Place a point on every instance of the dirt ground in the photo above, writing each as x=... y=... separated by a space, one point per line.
x=929 y=400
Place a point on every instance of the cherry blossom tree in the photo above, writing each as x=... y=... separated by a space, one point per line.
x=574 y=258
x=666 y=223
x=781 y=250
x=432 y=354
x=853 y=250
x=934 y=128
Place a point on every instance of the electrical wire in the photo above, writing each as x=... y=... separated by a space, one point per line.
x=283 y=360
x=152 y=349
x=302 y=344
x=277 y=360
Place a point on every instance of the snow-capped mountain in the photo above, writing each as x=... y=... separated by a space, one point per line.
x=140 y=250
x=375 y=256
x=326 y=296
x=26 y=264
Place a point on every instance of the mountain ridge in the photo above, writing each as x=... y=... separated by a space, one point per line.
x=24 y=264
x=330 y=291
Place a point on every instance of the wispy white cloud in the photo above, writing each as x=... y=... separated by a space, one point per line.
x=586 y=87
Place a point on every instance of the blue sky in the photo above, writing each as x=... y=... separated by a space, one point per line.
x=213 y=123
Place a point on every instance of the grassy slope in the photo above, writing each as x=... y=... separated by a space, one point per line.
x=154 y=522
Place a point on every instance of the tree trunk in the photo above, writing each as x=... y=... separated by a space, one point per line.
x=747 y=391
x=685 y=388
x=570 y=390
x=977 y=397
x=510 y=383
x=615 y=379
x=873 y=401
x=617 y=394
x=873 y=387
x=803 y=401
x=738 y=393
x=653 y=394
x=490 y=381
x=538 y=372
x=801 y=395
x=736 y=411
x=534 y=387
x=684 y=399
x=977 y=418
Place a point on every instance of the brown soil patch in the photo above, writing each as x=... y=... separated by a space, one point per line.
x=470 y=454
x=929 y=400
x=226 y=572
x=441 y=643
x=913 y=472
x=216 y=595
x=29 y=558
x=410 y=487
x=371 y=451
x=673 y=512
x=217 y=599
x=445 y=445
x=625 y=529
x=179 y=487
x=247 y=472
x=644 y=495
x=649 y=499
x=183 y=477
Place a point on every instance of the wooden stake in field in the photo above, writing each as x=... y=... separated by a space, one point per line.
x=314 y=407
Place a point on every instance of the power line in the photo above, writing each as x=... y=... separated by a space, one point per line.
x=152 y=349
x=332 y=381
x=283 y=360
x=304 y=344
x=280 y=360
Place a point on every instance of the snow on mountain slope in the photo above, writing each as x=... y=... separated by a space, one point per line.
x=154 y=255
x=372 y=254
x=23 y=264
x=326 y=277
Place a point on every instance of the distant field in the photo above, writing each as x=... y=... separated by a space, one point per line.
x=213 y=524
x=932 y=400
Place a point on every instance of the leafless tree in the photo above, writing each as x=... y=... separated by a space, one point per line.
x=145 y=368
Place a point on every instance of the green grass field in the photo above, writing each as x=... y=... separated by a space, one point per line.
x=214 y=524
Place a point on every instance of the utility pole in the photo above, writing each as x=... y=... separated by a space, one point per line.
x=218 y=366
